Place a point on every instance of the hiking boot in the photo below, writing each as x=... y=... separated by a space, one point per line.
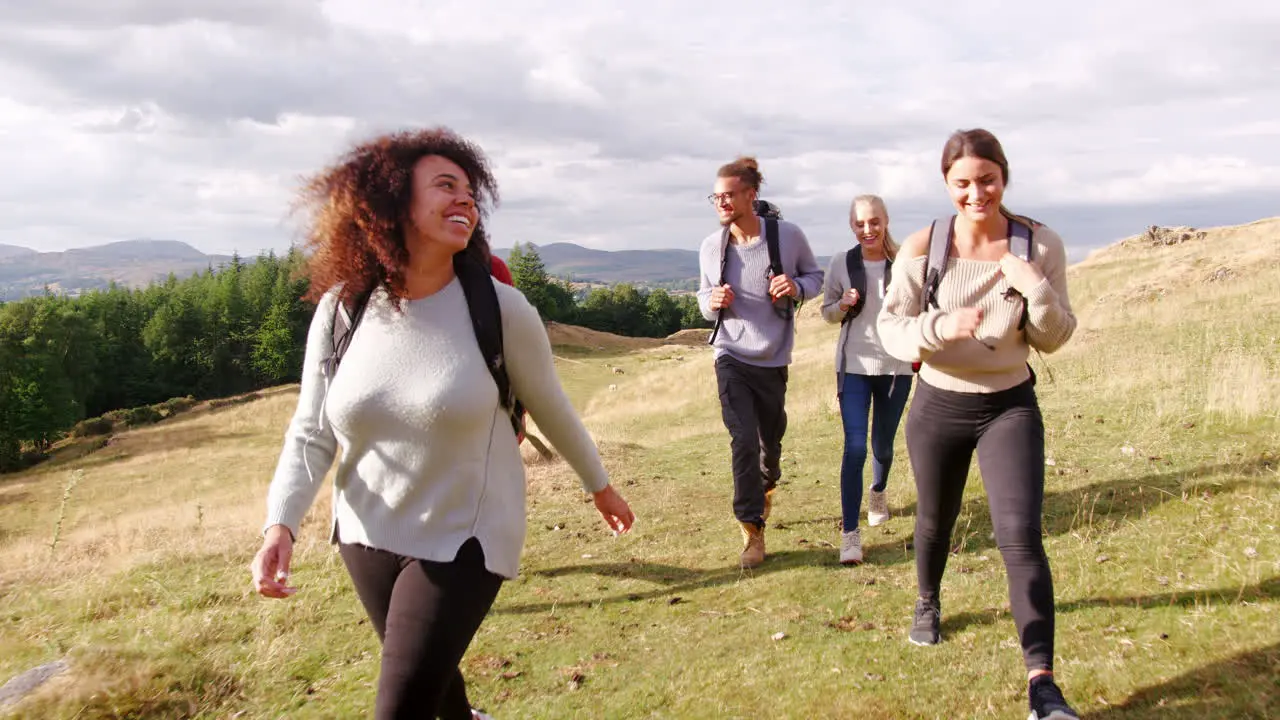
x=1047 y=702
x=925 y=627
x=478 y=715
x=768 y=503
x=753 y=546
x=851 y=547
x=877 y=508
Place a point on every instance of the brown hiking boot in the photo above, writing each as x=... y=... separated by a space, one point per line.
x=753 y=550
x=768 y=503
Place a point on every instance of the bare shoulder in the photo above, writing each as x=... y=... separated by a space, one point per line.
x=916 y=245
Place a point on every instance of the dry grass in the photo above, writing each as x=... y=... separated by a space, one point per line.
x=1160 y=519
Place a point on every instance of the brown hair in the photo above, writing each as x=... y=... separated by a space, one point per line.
x=977 y=143
x=745 y=169
x=359 y=209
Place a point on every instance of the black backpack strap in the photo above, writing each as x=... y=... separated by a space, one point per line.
x=724 y=263
x=857 y=271
x=771 y=242
x=1021 y=246
x=345 y=321
x=486 y=320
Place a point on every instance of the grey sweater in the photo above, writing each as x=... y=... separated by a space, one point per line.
x=752 y=331
x=859 y=349
x=428 y=456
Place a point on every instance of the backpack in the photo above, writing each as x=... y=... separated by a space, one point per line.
x=858 y=279
x=941 y=234
x=486 y=320
x=771 y=215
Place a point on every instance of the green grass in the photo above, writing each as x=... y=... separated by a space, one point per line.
x=1161 y=517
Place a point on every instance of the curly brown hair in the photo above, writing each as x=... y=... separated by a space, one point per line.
x=359 y=208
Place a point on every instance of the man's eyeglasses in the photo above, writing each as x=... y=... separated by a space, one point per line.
x=717 y=198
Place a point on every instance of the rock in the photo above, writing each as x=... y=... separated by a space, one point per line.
x=23 y=684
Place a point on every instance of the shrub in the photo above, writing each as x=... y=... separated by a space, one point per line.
x=93 y=427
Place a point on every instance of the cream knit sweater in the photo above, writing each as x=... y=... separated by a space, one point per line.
x=912 y=334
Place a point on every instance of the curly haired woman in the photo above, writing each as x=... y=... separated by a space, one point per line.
x=429 y=497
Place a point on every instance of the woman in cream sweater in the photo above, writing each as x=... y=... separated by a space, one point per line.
x=976 y=392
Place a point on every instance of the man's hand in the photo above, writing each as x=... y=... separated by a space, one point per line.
x=783 y=286
x=721 y=297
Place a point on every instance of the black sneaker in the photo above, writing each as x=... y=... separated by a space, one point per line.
x=1047 y=702
x=924 y=629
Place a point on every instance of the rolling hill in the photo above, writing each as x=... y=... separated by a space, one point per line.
x=133 y=263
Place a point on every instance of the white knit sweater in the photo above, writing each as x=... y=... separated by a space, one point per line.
x=428 y=455
x=859 y=349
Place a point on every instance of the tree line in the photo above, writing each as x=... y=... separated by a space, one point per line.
x=236 y=329
x=217 y=333
x=622 y=309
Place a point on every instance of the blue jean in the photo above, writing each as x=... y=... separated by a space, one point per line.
x=882 y=398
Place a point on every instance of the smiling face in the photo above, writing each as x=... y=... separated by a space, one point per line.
x=733 y=199
x=869 y=222
x=442 y=210
x=977 y=188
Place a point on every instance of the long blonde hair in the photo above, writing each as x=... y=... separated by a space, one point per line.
x=890 y=247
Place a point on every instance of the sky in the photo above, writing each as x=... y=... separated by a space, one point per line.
x=606 y=122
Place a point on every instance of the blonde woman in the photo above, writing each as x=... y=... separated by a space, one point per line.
x=871 y=384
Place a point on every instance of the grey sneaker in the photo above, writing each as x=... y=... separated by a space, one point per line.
x=877 y=508
x=1047 y=702
x=925 y=627
x=477 y=715
x=851 y=547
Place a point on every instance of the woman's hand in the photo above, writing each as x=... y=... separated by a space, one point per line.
x=1022 y=275
x=271 y=565
x=849 y=299
x=615 y=511
x=960 y=324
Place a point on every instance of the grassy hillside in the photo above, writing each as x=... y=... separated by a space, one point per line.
x=1160 y=520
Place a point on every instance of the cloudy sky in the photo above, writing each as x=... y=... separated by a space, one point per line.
x=195 y=119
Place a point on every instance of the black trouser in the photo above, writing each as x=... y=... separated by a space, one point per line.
x=425 y=614
x=943 y=429
x=752 y=402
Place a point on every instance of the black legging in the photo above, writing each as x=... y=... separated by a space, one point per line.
x=943 y=428
x=425 y=614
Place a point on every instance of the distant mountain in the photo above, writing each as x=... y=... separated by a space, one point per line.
x=132 y=263
x=137 y=263
x=640 y=267
x=13 y=251
x=567 y=260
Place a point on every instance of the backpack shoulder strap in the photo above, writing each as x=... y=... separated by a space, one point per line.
x=486 y=321
x=771 y=241
x=1020 y=239
x=1020 y=245
x=941 y=233
x=857 y=271
x=345 y=321
x=724 y=263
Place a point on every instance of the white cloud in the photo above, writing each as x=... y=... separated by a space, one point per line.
x=195 y=120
